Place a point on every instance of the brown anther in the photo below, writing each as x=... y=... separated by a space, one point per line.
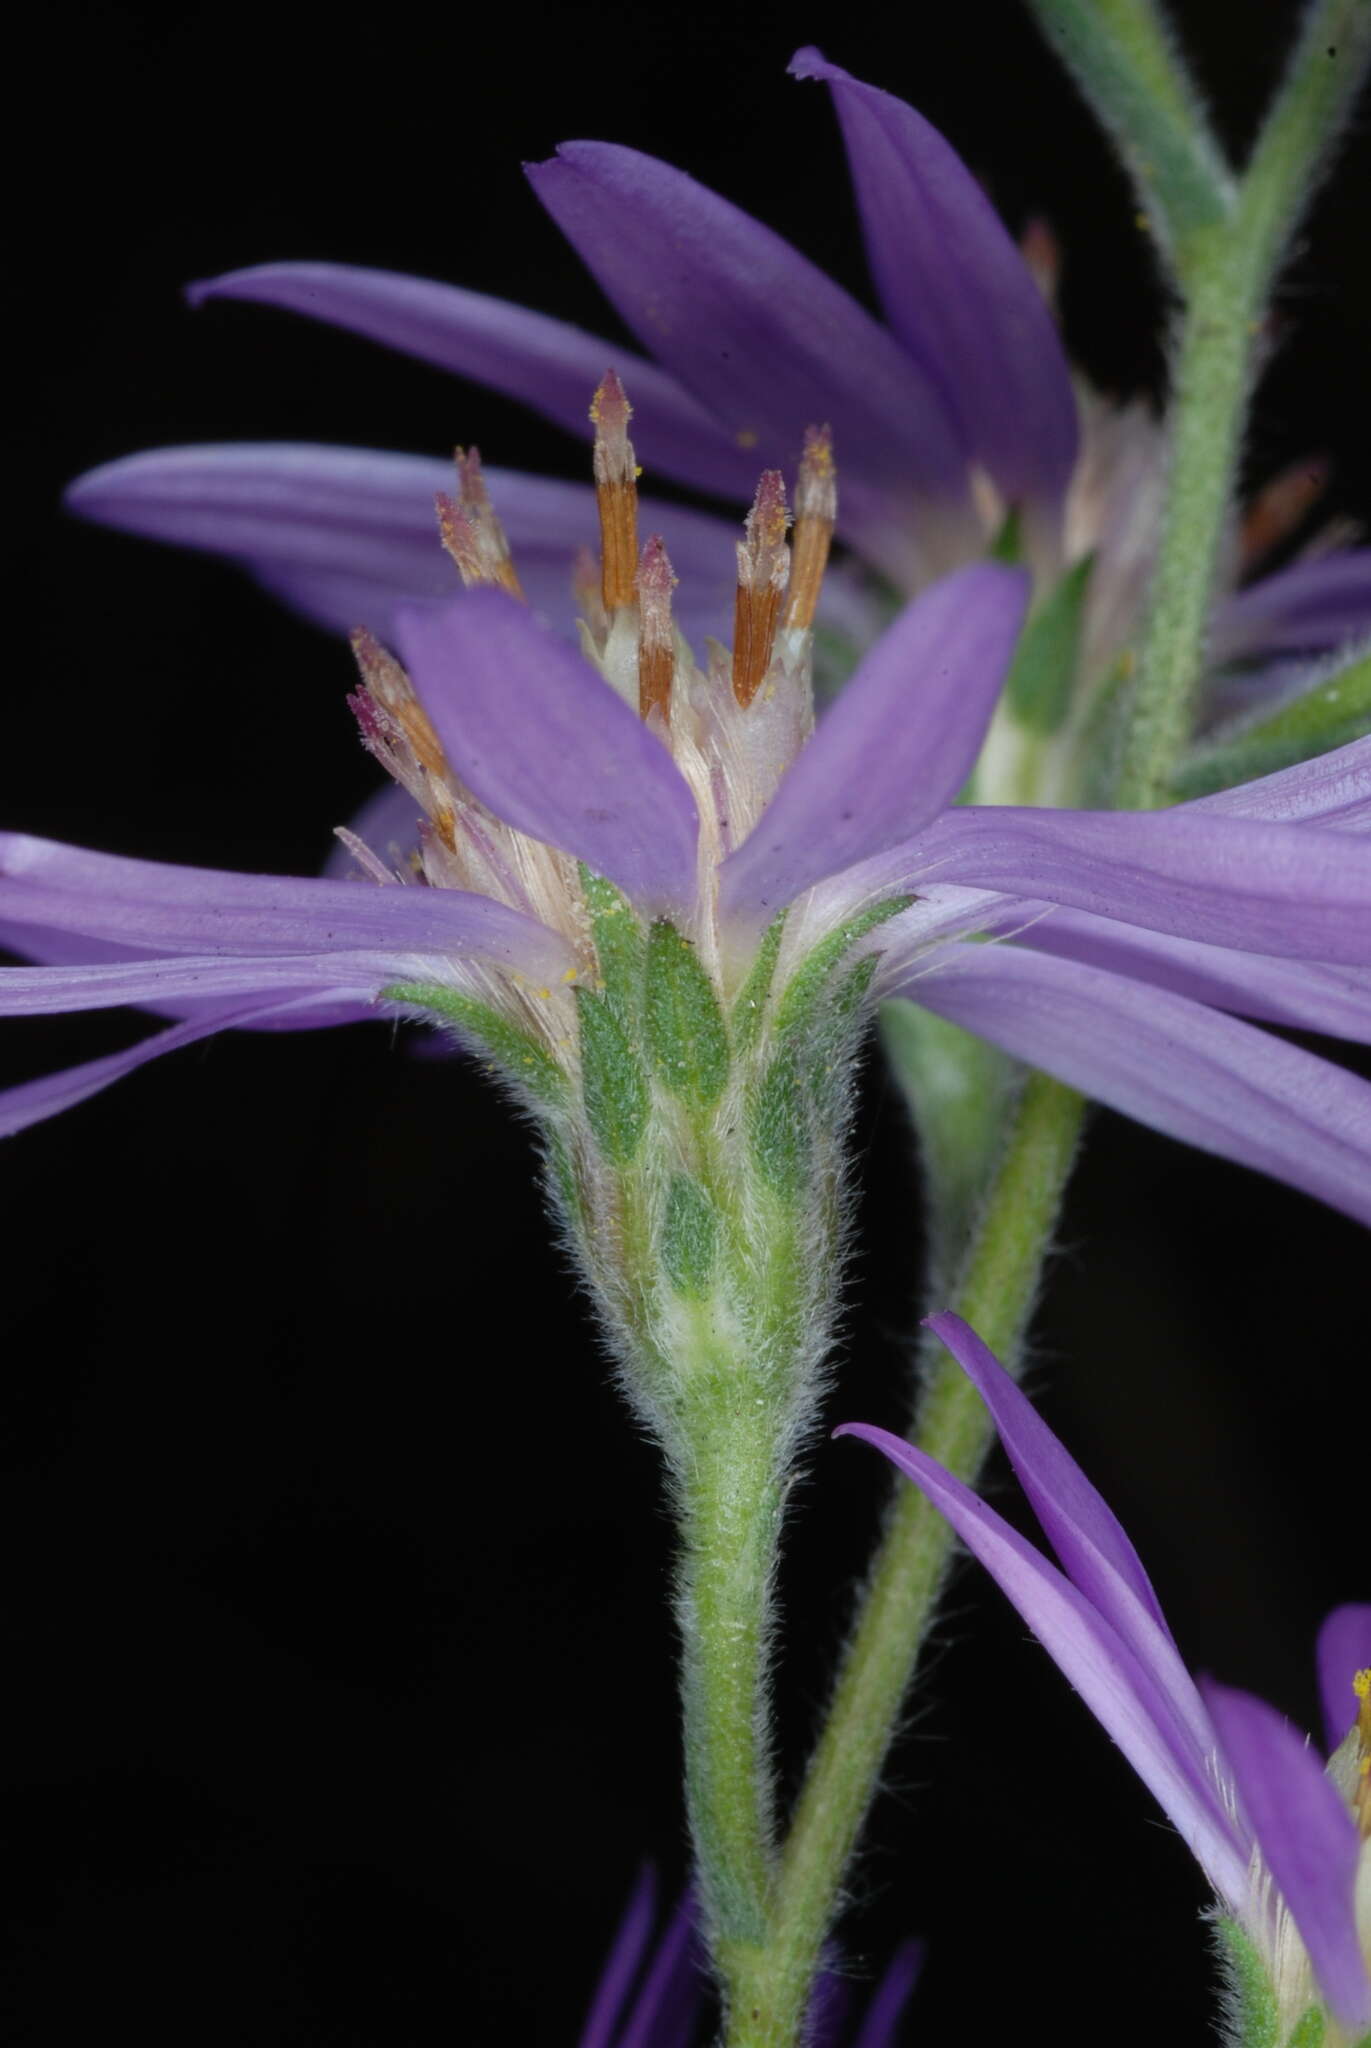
x=656 y=639
x=470 y=529
x=1280 y=505
x=816 y=508
x=763 y=567
x=389 y=709
x=616 y=492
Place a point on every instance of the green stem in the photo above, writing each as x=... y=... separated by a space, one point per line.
x=730 y=1500
x=1122 y=56
x=998 y=1288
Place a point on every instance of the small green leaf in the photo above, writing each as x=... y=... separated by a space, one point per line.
x=612 y=1079
x=620 y=946
x=835 y=1036
x=749 y=1005
x=806 y=985
x=1043 y=676
x=779 y=1126
x=1310 y=2029
x=690 y=1233
x=511 y=1052
x=1333 y=711
x=687 y=1038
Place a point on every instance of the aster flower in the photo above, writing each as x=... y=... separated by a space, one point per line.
x=650 y=1993
x=621 y=811
x=955 y=417
x=1283 y=1842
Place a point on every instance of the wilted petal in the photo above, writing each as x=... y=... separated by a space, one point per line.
x=1122 y=1694
x=895 y=746
x=1298 y=892
x=1307 y=1837
x=1344 y=1648
x=1332 y=790
x=1176 y=1065
x=539 y=736
x=1306 y=609
x=1301 y=993
x=759 y=334
x=550 y=366
x=206 y=910
x=344 y=534
x=32 y=1101
x=955 y=289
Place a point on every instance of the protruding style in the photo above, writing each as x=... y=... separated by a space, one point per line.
x=656 y=635
x=816 y=510
x=763 y=571
x=616 y=491
x=471 y=530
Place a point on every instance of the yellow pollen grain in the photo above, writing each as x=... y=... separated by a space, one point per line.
x=1361 y=1684
x=747 y=437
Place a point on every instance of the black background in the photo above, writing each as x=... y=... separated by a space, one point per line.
x=336 y=1572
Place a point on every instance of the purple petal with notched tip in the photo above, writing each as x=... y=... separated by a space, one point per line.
x=763 y=338
x=547 y=364
x=1307 y=1837
x=890 y=1997
x=1182 y=1068
x=1333 y=791
x=894 y=747
x=1300 y=993
x=539 y=736
x=206 y=910
x=32 y=1101
x=346 y=533
x=1344 y=1648
x=1306 y=609
x=1120 y=1691
x=622 y=1964
x=955 y=289
x=1299 y=892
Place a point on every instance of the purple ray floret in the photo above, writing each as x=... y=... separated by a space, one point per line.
x=1276 y=1837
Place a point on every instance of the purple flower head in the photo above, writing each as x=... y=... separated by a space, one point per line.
x=543 y=791
x=651 y=1993
x=1284 y=1842
x=957 y=414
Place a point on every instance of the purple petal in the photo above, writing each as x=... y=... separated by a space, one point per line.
x=548 y=365
x=345 y=533
x=540 y=737
x=667 y=2006
x=622 y=1964
x=349 y=977
x=206 y=910
x=1344 y=1648
x=1083 y=1530
x=895 y=746
x=1298 y=892
x=1120 y=1692
x=1189 y=1071
x=31 y=1101
x=955 y=289
x=1301 y=993
x=1307 y=1838
x=1333 y=791
x=891 y=1996
x=760 y=335
x=1306 y=609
